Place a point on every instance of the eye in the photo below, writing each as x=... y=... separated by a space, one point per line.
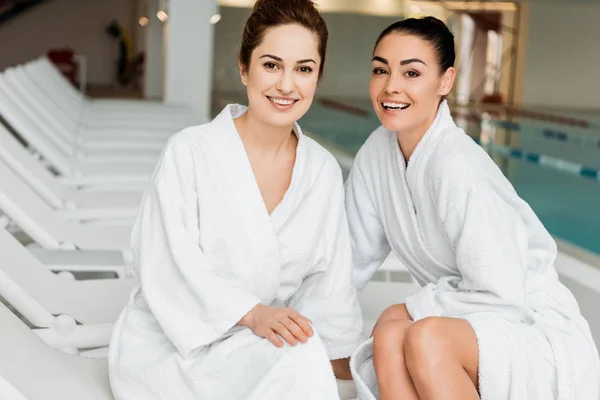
x=270 y=65
x=305 y=69
x=411 y=74
x=379 y=71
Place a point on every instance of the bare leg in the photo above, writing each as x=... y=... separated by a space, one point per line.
x=396 y=311
x=341 y=368
x=393 y=378
x=442 y=358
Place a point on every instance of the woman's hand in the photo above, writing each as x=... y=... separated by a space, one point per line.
x=397 y=311
x=268 y=322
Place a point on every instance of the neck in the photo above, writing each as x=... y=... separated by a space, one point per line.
x=268 y=140
x=408 y=140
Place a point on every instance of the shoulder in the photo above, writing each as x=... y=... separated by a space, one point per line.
x=458 y=163
x=374 y=148
x=190 y=137
x=321 y=160
x=181 y=151
x=451 y=153
x=196 y=141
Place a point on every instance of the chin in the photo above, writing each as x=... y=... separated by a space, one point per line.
x=279 y=118
x=393 y=125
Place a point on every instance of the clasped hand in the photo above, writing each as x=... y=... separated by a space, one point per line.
x=275 y=322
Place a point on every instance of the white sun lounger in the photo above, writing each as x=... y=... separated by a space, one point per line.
x=75 y=204
x=108 y=114
x=93 y=301
x=60 y=156
x=31 y=370
x=24 y=103
x=49 y=228
x=44 y=107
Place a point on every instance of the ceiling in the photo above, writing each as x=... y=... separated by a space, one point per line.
x=392 y=7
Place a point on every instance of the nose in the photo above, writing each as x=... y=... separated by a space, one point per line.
x=393 y=85
x=286 y=82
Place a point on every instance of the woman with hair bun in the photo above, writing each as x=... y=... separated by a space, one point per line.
x=241 y=246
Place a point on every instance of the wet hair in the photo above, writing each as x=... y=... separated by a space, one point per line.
x=433 y=31
x=269 y=14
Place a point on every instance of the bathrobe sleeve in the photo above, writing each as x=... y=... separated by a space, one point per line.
x=192 y=304
x=327 y=296
x=370 y=246
x=490 y=242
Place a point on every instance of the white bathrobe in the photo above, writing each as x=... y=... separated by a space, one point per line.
x=207 y=251
x=479 y=252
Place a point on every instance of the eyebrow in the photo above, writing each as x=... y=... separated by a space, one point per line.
x=381 y=60
x=403 y=62
x=281 y=60
x=412 y=60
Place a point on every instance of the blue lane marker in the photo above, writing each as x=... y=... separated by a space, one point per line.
x=548 y=133
x=558 y=135
x=511 y=126
x=542 y=160
x=589 y=173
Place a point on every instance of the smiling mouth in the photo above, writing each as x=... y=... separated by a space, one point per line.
x=394 y=106
x=281 y=102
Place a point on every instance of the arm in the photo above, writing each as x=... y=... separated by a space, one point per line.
x=370 y=246
x=193 y=305
x=490 y=242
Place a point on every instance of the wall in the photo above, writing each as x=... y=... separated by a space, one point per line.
x=348 y=64
x=78 y=24
x=563 y=54
x=152 y=38
x=478 y=63
x=189 y=41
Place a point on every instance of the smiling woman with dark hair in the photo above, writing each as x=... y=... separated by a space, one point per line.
x=241 y=246
x=492 y=320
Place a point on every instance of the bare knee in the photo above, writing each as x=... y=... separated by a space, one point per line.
x=425 y=344
x=389 y=336
x=396 y=311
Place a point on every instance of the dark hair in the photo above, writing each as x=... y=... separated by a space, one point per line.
x=431 y=30
x=268 y=14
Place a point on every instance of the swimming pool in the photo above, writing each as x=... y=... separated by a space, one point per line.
x=566 y=199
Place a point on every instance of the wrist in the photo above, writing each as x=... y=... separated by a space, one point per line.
x=248 y=319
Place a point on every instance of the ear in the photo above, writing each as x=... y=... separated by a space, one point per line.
x=243 y=74
x=447 y=81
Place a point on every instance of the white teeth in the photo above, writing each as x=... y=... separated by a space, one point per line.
x=395 y=106
x=281 y=101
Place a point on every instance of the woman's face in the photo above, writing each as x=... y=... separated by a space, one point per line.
x=406 y=82
x=282 y=77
